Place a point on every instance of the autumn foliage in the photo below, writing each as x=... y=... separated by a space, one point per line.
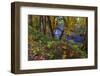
x=57 y=37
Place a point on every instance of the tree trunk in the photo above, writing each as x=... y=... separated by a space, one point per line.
x=50 y=26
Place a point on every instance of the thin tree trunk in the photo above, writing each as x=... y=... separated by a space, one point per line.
x=41 y=24
x=49 y=23
x=44 y=24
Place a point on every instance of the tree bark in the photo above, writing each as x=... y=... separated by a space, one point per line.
x=50 y=26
